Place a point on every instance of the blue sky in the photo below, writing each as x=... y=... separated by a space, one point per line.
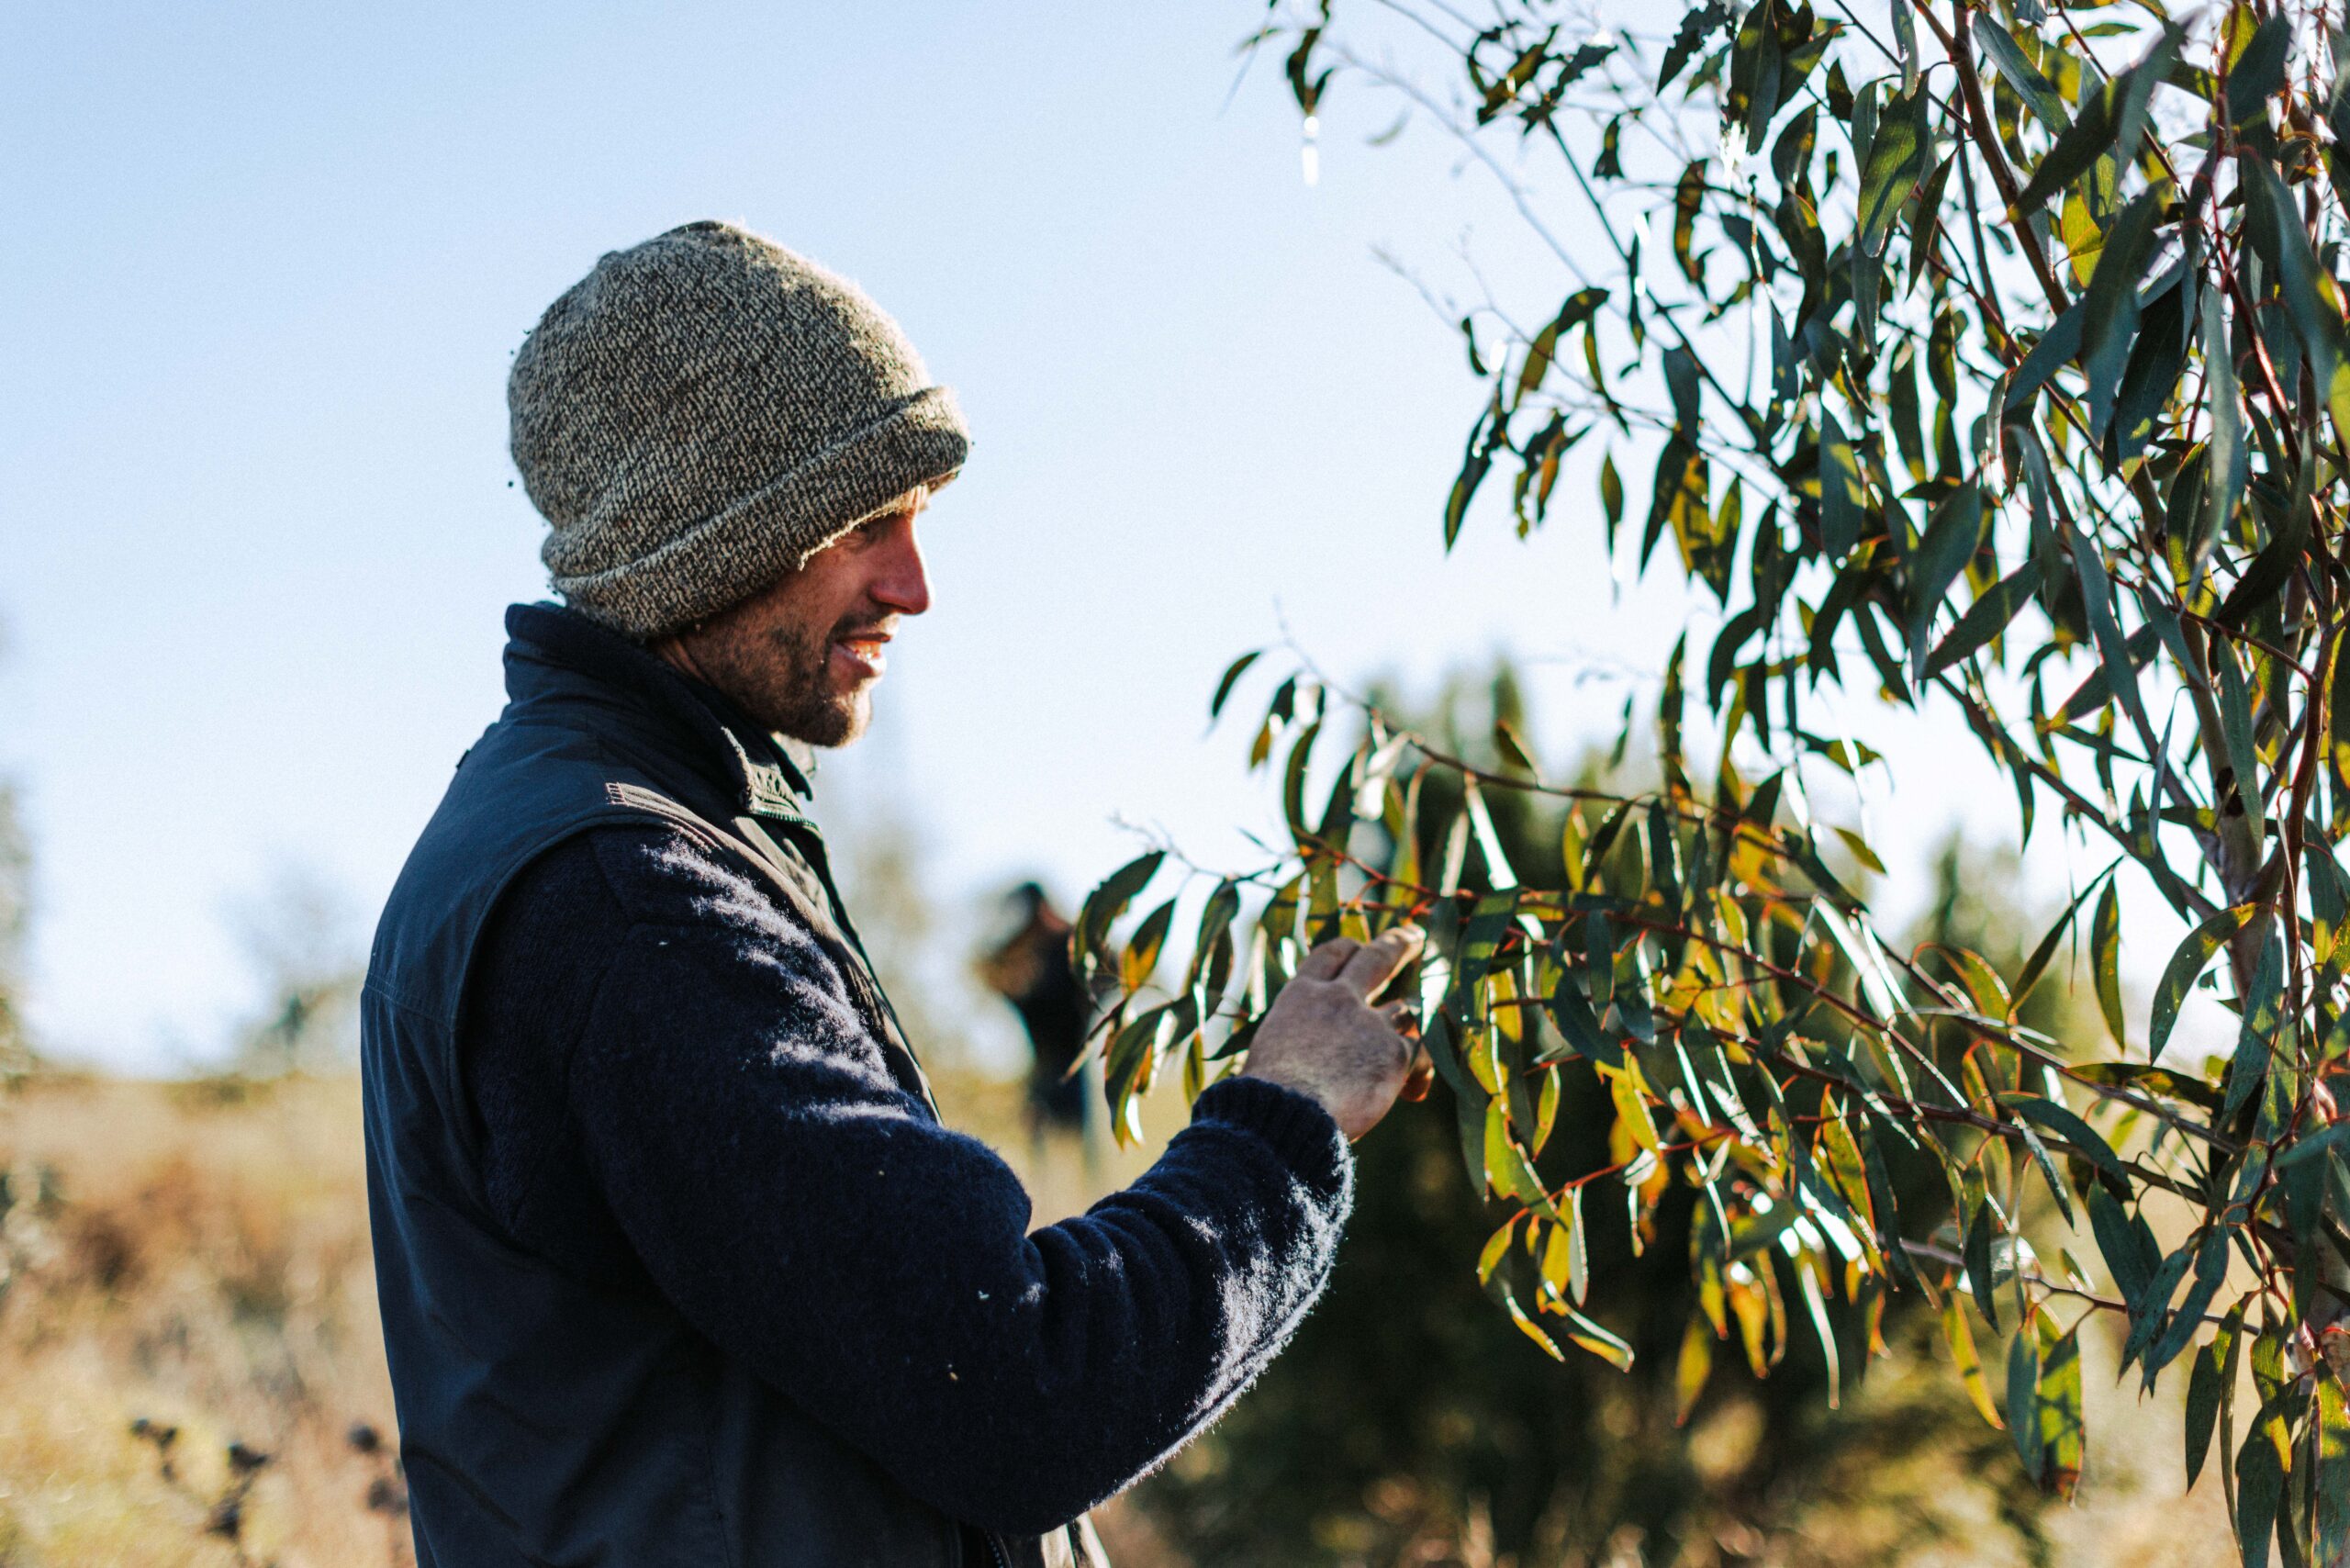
x=264 y=270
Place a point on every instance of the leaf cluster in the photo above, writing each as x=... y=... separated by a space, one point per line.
x=1995 y=369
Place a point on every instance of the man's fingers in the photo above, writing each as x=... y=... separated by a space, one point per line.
x=1372 y=967
x=1419 y=1077
x=1328 y=960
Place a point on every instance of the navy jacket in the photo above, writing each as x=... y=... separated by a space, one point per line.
x=676 y=1263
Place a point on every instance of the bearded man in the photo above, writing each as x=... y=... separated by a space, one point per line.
x=677 y=1263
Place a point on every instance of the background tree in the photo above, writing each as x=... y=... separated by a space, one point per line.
x=309 y=959
x=1994 y=367
x=16 y=928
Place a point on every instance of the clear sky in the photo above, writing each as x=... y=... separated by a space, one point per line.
x=263 y=270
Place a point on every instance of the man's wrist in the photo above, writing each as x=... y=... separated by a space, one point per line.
x=1295 y=1123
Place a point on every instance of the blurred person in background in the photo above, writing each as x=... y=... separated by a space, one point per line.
x=1033 y=968
x=676 y=1263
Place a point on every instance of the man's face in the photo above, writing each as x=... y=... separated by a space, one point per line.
x=803 y=657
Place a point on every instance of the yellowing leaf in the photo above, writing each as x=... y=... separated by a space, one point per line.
x=1495 y=1245
x=1961 y=1335
x=2083 y=239
x=1689 y=1375
x=1632 y=1111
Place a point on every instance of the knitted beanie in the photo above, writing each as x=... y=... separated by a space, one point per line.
x=702 y=412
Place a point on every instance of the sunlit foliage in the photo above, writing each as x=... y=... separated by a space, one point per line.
x=1991 y=364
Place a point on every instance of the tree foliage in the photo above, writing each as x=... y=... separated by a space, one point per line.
x=1337 y=1455
x=1989 y=362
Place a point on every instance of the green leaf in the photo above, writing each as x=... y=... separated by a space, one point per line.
x=1929 y=219
x=2128 y=1246
x=2258 y=72
x=2151 y=378
x=2111 y=120
x=2330 y=1441
x=1952 y=538
x=2154 y=1304
x=2262 y=1021
x=2155 y=1080
x=1232 y=674
x=2335 y=1139
x=1697 y=24
x=2236 y=733
x=2113 y=650
x=2260 y=1492
x=2186 y=966
x=1688 y=197
x=1898 y=157
x=1579 y=1025
x=2105 y=954
x=1980 y=1278
x=1578 y=309
x=2089 y=137
x=2098 y=690
x=1680 y=497
x=2211 y=1272
x=2038 y=93
x=1497 y=1248
x=1216 y=919
x=2033 y=966
x=2224 y=467
x=1679 y=367
x=1141 y=956
x=1106 y=902
x=1301 y=757
x=2062 y=1432
x=2056 y=349
x=1861 y=850
x=2109 y=308
x=2203 y=1409
x=1531 y=1329
x=1844 y=496
x=2038 y=1150
x=2066 y=1124
x=1988 y=616
x=1130 y=1052
x=1490 y=432
x=2023 y=1397
x=2309 y=294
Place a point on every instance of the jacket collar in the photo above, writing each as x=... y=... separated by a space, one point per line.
x=555 y=654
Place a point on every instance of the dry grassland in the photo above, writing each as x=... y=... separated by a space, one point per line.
x=191 y=1368
x=191 y=1372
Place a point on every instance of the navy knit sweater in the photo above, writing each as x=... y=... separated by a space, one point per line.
x=678 y=1093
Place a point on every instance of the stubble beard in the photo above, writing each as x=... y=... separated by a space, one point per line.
x=782 y=677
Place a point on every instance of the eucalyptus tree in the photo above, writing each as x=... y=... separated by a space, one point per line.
x=1983 y=360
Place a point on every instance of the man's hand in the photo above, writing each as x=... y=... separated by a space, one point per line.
x=1323 y=1038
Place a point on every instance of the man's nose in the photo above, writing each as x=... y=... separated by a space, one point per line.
x=899 y=582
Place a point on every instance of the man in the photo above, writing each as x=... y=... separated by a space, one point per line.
x=676 y=1263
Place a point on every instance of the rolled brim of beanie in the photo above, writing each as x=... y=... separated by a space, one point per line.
x=733 y=554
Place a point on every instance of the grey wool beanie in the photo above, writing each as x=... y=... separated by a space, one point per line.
x=702 y=412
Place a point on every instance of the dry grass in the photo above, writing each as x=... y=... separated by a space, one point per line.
x=193 y=1256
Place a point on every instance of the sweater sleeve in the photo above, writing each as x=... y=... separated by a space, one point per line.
x=734 y=1107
